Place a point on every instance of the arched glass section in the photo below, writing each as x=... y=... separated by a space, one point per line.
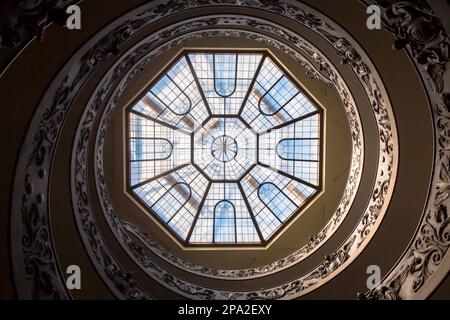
x=296 y=149
x=286 y=149
x=163 y=149
x=224 y=222
x=172 y=96
x=225 y=78
x=225 y=74
x=172 y=201
x=276 y=200
x=280 y=94
x=152 y=149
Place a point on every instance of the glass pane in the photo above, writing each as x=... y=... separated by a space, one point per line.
x=224 y=222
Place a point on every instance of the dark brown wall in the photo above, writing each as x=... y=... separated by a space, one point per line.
x=21 y=87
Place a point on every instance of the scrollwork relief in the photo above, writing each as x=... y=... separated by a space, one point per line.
x=420 y=33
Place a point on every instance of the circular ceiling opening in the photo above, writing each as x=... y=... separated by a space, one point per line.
x=224 y=148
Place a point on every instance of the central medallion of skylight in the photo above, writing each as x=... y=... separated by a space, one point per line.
x=224 y=148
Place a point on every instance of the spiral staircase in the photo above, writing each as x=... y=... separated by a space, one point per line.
x=383 y=197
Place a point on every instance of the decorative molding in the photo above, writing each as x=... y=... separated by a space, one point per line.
x=35 y=264
x=418 y=31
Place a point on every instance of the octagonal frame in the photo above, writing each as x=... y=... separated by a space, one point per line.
x=230 y=116
x=264 y=243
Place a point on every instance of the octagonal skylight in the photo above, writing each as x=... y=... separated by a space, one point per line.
x=224 y=148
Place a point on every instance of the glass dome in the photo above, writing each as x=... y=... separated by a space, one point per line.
x=224 y=148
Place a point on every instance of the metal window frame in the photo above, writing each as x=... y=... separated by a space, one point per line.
x=182 y=205
x=267 y=204
x=181 y=93
x=281 y=106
